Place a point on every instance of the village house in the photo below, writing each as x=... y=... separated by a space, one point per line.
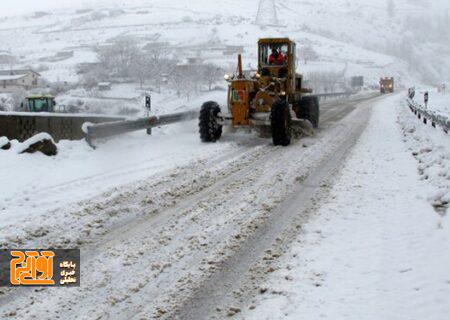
x=6 y=58
x=15 y=80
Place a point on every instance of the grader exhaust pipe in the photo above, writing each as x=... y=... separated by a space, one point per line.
x=240 y=72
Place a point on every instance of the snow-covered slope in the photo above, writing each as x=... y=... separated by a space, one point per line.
x=355 y=38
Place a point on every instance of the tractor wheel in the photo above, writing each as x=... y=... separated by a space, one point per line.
x=280 y=118
x=308 y=109
x=210 y=129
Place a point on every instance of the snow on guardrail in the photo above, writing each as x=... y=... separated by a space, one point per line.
x=427 y=115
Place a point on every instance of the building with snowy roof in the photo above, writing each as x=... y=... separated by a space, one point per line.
x=15 y=80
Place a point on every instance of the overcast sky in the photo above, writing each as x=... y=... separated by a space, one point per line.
x=14 y=7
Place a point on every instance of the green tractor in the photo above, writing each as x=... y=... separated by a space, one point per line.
x=39 y=103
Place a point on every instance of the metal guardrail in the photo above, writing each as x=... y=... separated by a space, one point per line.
x=333 y=95
x=106 y=130
x=24 y=125
x=429 y=116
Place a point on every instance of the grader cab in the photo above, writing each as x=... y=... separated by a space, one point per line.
x=269 y=98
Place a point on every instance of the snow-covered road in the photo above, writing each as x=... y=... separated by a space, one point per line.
x=147 y=246
x=199 y=238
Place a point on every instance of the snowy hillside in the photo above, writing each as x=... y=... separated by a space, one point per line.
x=355 y=38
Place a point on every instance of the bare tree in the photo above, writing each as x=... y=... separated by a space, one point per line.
x=118 y=57
x=124 y=59
x=210 y=74
x=141 y=68
x=160 y=66
x=151 y=66
x=307 y=53
x=186 y=80
x=331 y=80
x=325 y=81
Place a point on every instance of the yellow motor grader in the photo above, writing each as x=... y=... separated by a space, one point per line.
x=271 y=97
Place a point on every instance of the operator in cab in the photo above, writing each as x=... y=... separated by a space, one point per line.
x=277 y=57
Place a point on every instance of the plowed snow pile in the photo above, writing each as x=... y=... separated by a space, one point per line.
x=431 y=148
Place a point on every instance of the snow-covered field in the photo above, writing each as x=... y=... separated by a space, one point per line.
x=376 y=249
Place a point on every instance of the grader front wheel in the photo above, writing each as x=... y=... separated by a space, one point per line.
x=210 y=129
x=280 y=118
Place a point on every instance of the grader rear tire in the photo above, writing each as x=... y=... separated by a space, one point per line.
x=280 y=118
x=210 y=129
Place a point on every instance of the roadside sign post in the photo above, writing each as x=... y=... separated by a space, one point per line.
x=148 y=106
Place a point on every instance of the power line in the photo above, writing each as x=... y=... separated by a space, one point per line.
x=267 y=13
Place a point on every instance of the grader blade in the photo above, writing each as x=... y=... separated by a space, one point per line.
x=302 y=128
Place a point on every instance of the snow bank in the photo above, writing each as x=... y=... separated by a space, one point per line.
x=34 y=139
x=79 y=172
x=431 y=148
x=85 y=126
x=6 y=102
x=3 y=141
x=440 y=102
x=42 y=142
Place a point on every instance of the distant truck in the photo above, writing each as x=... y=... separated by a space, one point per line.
x=386 y=85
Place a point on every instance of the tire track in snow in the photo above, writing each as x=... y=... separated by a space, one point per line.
x=237 y=278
